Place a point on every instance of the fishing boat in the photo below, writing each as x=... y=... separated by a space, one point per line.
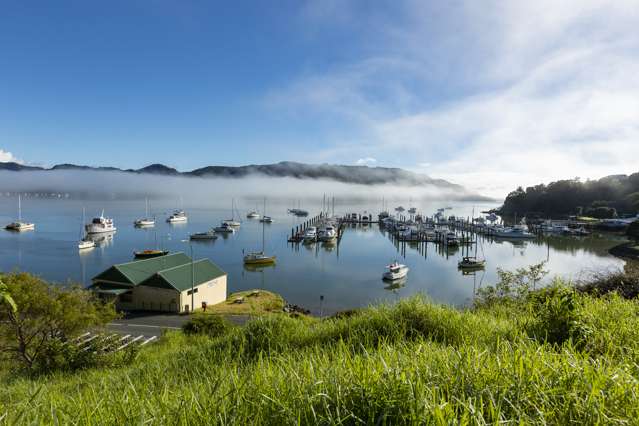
x=147 y=254
x=178 y=216
x=259 y=257
x=85 y=242
x=19 y=225
x=146 y=220
x=395 y=271
x=99 y=225
x=471 y=263
x=224 y=228
x=208 y=235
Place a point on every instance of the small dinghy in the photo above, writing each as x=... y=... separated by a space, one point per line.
x=395 y=271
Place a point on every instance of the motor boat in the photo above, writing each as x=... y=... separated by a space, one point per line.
x=399 y=209
x=99 y=225
x=412 y=210
x=310 y=234
x=395 y=271
x=451 y=239
x=148 y=254
x=253 y=215
x=19 y=225
x=208 y=235
x=327 y=233
x=224 y=228
x=178 y=216
x=266 y=219
x=514 y=232
x=471 y=263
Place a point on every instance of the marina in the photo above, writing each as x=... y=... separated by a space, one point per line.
x=337 y=256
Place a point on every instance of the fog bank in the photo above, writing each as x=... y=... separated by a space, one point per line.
x=121 y=185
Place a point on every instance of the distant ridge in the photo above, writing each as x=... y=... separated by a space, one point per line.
x=347 y=174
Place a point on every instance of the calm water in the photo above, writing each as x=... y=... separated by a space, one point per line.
x=347 y=275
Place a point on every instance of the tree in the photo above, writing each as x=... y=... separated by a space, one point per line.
x=43 y=315
x=5 y=298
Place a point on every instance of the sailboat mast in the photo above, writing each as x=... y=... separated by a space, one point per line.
x=19 y=209
x=263 y=225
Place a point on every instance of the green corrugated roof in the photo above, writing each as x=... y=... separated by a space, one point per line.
x=179 y=277
x=133 y=273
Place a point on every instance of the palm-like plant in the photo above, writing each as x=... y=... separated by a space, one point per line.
x=5 y=297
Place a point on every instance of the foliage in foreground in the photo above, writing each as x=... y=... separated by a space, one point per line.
x=37 y=321
x=414 y=362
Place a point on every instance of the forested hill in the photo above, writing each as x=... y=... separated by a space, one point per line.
x=603 y=198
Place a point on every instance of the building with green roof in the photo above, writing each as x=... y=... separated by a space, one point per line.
x=162 y=284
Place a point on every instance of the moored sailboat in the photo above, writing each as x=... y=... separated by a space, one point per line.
x=19 y=225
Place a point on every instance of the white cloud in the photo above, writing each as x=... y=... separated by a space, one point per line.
x=491 y=95
x=7 y=157
x=368 y=161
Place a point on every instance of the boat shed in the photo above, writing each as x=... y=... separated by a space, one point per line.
x=162 y=284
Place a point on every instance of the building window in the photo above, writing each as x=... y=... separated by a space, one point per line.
x=189 y=292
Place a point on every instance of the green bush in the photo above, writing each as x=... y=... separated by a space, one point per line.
x=211 y=325
x=555 y=312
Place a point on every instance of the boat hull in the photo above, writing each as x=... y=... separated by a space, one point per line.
x=248 y=260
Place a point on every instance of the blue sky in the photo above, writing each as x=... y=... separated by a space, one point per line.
x=488 y=96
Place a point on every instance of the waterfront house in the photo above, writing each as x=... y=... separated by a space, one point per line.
x=162 y=284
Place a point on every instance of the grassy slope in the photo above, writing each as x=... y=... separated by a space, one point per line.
x=255 y=302
x=415 y=362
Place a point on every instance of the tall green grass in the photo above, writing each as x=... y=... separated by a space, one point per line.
x=414 y=362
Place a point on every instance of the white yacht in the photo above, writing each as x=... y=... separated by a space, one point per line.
x=100 y=225
x=146 y=220
x=232 y=222
x=310 y=235
x=19 y=225
x=395 y=271
x=85 y=242
x=177 y=217
x=253 y=215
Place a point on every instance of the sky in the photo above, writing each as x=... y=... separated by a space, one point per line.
x=489 y=95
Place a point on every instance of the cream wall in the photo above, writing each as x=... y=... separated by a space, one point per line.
x=152 y=299
x=211 y=292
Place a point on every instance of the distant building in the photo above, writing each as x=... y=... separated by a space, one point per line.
x=162 y=284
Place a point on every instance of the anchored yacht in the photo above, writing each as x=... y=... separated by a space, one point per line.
x=19 y=225
x=177 y=216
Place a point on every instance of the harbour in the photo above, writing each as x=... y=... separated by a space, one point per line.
x=327 y=273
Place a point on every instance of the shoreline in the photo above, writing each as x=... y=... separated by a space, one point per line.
x=625 y=251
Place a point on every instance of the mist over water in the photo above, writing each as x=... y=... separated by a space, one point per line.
x=204 y=190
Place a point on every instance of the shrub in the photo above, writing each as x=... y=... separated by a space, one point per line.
x=625 y=283
x=42 y=314
x=555 y=313
x=211 y=325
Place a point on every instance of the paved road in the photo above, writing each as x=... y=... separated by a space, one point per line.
x=153 y=324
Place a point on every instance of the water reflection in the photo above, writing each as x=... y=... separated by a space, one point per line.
x=346 y=273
